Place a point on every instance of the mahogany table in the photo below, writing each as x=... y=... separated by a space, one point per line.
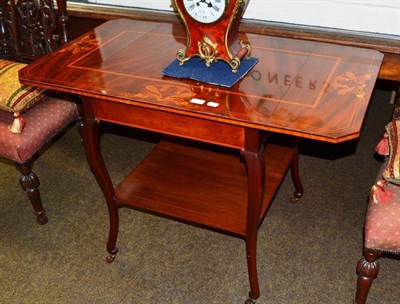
x=298 y=88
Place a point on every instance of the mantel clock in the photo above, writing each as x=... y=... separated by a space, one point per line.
x=212 y=31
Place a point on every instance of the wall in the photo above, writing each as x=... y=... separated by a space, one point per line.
x=376 y=16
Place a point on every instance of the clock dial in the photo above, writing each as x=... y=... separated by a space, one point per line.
x=212 y=29
x=205 y=11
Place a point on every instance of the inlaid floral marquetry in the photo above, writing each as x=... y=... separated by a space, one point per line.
x=351 y=83
x=305 y=88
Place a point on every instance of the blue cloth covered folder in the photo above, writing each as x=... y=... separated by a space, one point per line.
x=219 y=73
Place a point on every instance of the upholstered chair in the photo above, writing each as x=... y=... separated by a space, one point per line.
x=30 y=118
x=382 y=222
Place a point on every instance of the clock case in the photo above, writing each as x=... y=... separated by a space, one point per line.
x=215 y=41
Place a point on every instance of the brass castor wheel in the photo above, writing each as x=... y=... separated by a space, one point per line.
x=111 y=257
x=41 y=218
x=297 y=196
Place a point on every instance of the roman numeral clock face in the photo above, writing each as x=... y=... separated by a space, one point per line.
x=205 y=11
x=212 y=29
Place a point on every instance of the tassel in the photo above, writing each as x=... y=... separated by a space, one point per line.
x=18 y=124
x=379 y=194
x=382 y=148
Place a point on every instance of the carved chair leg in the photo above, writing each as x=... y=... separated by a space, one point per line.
x=367 y=269
x=30 y=184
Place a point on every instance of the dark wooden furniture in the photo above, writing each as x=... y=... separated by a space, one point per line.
x=30 y=29
x=382 y=224
x=382 y=228
x=298 y=89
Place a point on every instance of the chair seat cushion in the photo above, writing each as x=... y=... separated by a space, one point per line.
x=382 y=223
x=43 y=122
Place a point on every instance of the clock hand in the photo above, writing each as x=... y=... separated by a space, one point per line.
x=209 y=4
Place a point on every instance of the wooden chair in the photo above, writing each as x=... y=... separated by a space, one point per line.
x=382 y=223
x=30 y=29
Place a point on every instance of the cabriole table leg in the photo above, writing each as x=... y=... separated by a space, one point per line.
x=255 y=167
x=91 y=142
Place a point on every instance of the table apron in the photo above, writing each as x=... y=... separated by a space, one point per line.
x=196 y=128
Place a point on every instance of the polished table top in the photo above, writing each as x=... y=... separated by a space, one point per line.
x=303 y=88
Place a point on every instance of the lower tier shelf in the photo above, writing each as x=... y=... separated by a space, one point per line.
x=205 y=186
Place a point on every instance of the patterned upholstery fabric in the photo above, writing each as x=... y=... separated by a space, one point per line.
x=15 y=97
x=392 y=171
x=382 y=223
x=43 y=122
